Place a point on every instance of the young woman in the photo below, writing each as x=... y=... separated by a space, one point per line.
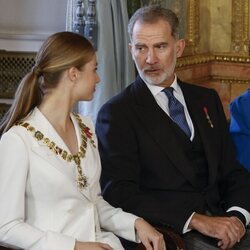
x=50 y=167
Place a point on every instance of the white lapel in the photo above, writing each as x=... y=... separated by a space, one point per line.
x=40 y=122
x=90 y=164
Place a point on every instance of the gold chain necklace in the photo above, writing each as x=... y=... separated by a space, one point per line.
x=86 y=134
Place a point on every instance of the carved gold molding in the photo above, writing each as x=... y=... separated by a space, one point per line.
x=194 y=61
x=230 y=80
x=192 y=34
x=206 y=58
x=221 y=79
x=240 y=27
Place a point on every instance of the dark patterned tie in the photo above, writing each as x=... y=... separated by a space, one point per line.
x=176 y=111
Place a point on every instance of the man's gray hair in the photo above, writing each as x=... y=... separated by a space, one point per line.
x=152 y=14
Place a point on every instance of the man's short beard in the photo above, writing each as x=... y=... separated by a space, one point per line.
x=166 y=74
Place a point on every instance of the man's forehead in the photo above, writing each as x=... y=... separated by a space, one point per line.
x=150 y=39
x=146 y=31
x=159 y=22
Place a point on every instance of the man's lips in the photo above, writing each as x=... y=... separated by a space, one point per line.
x=151 y=71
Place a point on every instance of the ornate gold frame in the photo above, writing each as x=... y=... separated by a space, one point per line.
x=192 y=35
x=240 y=27
x=240 y=43
x=240 y=37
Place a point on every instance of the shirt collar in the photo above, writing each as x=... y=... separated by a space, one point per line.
x=155 y=90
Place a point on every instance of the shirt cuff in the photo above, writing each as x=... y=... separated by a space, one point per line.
x=185 y=228
x=242 y=211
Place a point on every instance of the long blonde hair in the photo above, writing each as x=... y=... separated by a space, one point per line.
x=58 y=53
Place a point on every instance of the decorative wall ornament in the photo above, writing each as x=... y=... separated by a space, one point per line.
x=192 y=60
x=230 y=80
x=240 y=27
x=75 y=16
x=81 y=18
x=192 y=36
x=90 y=28
x=13 y=67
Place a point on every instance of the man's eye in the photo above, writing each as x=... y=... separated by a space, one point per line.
x=140 y=48
x=161 y=47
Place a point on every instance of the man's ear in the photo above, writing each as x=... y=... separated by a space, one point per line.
x=180 y=46
x=130 y=47
x=73 y=73
x=131 y=52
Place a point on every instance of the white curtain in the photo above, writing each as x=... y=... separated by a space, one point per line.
x=115 y=65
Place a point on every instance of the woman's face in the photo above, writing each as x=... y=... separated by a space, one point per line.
x=87 y=79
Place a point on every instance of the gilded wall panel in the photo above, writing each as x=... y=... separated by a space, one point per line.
x=240 y=27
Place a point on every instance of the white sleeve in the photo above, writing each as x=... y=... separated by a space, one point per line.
x=243 y=211
x=14 y=232
x=116 y=220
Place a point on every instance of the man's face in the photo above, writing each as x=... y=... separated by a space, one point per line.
x=154 y=51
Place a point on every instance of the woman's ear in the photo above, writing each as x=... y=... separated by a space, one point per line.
x=180 y=45
x=73 y=73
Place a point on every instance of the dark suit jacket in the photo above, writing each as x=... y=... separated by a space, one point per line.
x=145 y=170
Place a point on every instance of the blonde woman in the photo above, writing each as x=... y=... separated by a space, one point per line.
x=49 y=176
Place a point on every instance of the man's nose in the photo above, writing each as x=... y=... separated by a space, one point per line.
x=151 y=57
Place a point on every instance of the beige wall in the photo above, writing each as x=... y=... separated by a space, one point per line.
x=24 y=24
x=215 y=26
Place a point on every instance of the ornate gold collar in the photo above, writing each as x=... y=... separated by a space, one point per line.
x=86 y=134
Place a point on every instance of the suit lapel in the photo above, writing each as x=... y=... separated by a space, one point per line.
x=198 y=105
x=158 y=125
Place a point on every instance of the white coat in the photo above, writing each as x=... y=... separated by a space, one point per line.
x=41 y=207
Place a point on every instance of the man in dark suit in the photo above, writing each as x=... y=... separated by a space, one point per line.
x=165 y=148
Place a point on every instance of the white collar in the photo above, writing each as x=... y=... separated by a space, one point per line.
x=155 y=90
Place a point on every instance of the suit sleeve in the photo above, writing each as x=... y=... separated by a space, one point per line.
x=121 y=178
x=14 y=231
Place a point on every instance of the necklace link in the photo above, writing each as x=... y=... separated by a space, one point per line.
x=86 y=134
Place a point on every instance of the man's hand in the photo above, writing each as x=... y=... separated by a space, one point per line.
x=228 y=230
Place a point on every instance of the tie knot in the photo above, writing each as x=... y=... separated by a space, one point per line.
x=169 y=92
